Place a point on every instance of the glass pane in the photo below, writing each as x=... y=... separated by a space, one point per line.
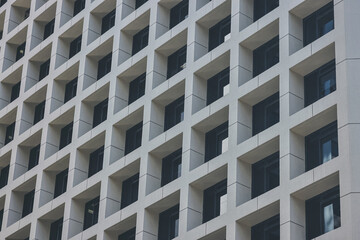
x=328 y=218
x=326 y=151
x=327 y=84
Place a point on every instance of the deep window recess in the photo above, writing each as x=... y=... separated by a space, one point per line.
x=128 y=235
x=10 y=133
x=215 y=141
x=174 y=113
x=218 y=32
x=265 y=175
x=15 y=91
x=96 y=161
x=27 y=13
x=138 y=3
x=104 y=66
x=4 y=175
x=323 y=213
x=49 y=28
x=140 y=40
x=137 y=88
x=2 y=2
x=78 y=6
x=1 y=217
x=100 y=112
x=320 y=83
x=34 y=157
x=130 y=188
x=66 y=135
x=266 y=56
x=262 y=7
x=179 y=12
x=217 y=86
x=75 y=46
x=266 y=113
x=318 y=23
x=70 y=89
x=56 y=229
x=91 y=213
x=108 y=21
x=321 y=146
x=44 y=69
x=61 y=183
x=133 y=138
x=169 y=223
x=39 y=112
x=28 y=203
x=171 y=167
x=176 y=62
x=267 y=230
x=20 y=51
x=212 y=200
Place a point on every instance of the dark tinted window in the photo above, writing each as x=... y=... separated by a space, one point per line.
x=39 y=112
x=262 y=7
x=15 y=91
x=75 y=46
x=174 y=113
x=28 y=203
x=169 y=223
x=171 y=167
x=212 y=195
x=266 y=56
x=4 y=175
x=178 y=13
x=130 y=188
x=140 y=40
x=66 y=135
x=1 y=217
x=267 y=230
x=56 y=229
x=138 y=3
x=176 y=62
x=96 y=161
x=137 y=88
x=100 y=112
x=214 y=140
x=20 y=51
x=44 y=69
x=104 y=66
x=10 y=133
x=108 y=21
x=49 y=28
x=70 y=89
x=78 y=6
x=2 y=2
x=128 y=235
x=27 y=13
x=133 y=138
x=61 y=183
x=216 y=84
x=266 y=113
x=34 y=157
x=91 y=213
x=218 y=32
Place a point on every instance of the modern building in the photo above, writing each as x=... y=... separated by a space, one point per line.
x=179 y=119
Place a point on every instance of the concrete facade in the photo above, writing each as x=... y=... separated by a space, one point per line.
x=287 y=136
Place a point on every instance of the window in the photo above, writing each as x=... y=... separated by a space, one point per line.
x=176 y=62
x=1 y=217
x=266 y=113
x=262 y=7
x=100 y=112
x=104 y=66
x=66 y=135
x=44 y=69
x=2 y=2
x=138 y=3
x=321 y=146
x=28 y=203
x=4 y=175
x=133 y=138
x=75 y=46
x=1 y=34
x=39 y=112
x=56 y=229
x=34 y=157
x=318 y=23
x=267 y=230
x=265 y=175
x=61 y=183
x=27 y=13
x=108 y=21
x=174 y=113
x=179 y=13
x=218 y=32
x=10 y=133
x=137 y=88
x=91 y=213
x=96 y=161
x=171 y=167
x=49 y=28
x=78 y=6
x=15 y=91
x=20 y=51
x=212 y=200
x=266 y=56
x=70 y=89
x=218 y=86
x=323 y=213
x=140 y=40
x=320 y=83
x=128 y=235
x=169 y=223
x=130 y=188
x=216 y=141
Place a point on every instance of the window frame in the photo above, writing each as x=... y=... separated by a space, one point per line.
x=179 y=13
x=167 y=223
x=28 y=203
x=260 y=56
x=4 y=176
x=128 y=235
x=140 y=40
x=70 y=90
x=15 y=91
x=213 y=140
x=175 y=61
x=169 y=164
x=75 y=46
x=66 y=134
x=20 y=48
x=90 y=221
x=96 y=159
x=61 y=183
x=211 y=200
x=263 y=7
x=108 y=21
x=216 y=34
x=137 y=88
x=39 y=112
x=100 y=112
x=172 y=110
x=131 y=141
x=10 y=133
x=216 y=84
x=129 y=191
x=49 y=29
x=259 y=230
x=79 y=5
x=44 y=69
x=104 y=66
x=56 y=229
x=34 y=157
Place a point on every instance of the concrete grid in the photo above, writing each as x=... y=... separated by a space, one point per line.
x=287 y=136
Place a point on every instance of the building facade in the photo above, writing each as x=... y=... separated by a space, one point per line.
x=179 y=119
